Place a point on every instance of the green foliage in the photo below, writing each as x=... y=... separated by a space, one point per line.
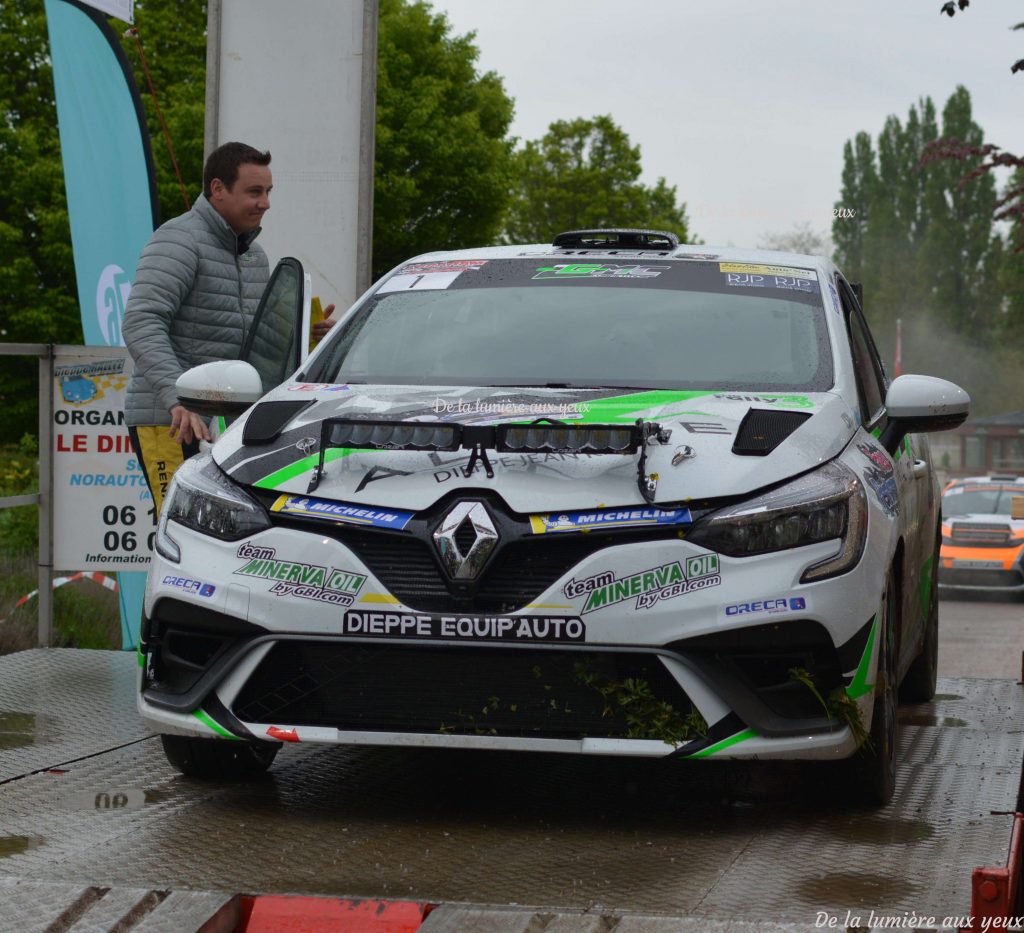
x=38 y=295
x=646 y=716
x=839 y=706
x=924 y=247
x=19 y=526
x=37 y=283
x=584 y=173
x=173 y=38
x=84 y=614
x=443 y=157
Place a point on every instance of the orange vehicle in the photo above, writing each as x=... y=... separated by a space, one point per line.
x=982 y=535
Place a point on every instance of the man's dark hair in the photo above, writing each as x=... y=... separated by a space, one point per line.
x=224 y=161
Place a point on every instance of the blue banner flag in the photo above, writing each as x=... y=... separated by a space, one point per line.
x=111 y=189
x=108 y=164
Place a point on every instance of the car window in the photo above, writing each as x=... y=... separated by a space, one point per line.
x=979 y=500
x=271 y=345
x=871 y=381
x=526 y=322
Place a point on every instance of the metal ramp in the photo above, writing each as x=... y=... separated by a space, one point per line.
x=93 y=820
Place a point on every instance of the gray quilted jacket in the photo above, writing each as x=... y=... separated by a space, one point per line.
x=195 y=293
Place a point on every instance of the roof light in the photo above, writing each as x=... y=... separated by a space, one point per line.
x=620 y=238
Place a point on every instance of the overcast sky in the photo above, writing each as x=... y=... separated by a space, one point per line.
x=744 y=105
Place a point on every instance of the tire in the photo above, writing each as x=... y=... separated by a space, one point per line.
x=875 y=763
x=922 y=679
x=219 y=759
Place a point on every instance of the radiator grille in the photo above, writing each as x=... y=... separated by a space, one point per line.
x=445 y=689
x=982 y=535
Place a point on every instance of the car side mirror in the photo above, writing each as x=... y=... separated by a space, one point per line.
x=918 y=404
x=224 y=387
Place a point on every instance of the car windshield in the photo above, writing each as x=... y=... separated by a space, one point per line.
x=979 y=500
x=524 y=322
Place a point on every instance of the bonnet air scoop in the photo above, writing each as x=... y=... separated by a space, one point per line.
x=762 y=430
x=268 y=419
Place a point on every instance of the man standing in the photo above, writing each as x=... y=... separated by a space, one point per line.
x=197 y=286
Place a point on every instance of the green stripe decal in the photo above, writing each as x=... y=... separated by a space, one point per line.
x=724 y=744
x=628 y=407
x=926 y=583
x=860 y=684
x=299 y=467
x=209 y=723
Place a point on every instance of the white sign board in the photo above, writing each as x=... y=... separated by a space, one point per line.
x=103 y=517
x=299 y=80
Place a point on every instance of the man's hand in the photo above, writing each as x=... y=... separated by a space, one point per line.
x=320 y=328
x=187 y=426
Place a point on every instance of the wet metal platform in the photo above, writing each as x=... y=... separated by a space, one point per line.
x=94 y=823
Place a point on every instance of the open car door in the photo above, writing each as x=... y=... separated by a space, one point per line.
x=278 y=339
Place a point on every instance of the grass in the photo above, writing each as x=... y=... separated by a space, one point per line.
x=85 y=615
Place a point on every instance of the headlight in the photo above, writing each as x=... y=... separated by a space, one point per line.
x=820 y=506
x=201 y=497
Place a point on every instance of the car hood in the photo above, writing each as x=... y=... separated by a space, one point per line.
x=700 y=460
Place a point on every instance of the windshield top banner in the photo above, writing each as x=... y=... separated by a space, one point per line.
x=757 y=279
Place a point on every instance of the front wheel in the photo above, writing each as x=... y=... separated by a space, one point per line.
x=876 y=761
x=222 y=759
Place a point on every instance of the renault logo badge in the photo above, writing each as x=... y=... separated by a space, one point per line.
x=465 y=539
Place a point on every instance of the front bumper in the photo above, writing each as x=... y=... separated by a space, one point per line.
x=702 y=666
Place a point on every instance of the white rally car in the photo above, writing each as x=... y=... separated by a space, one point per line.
x=610 y=496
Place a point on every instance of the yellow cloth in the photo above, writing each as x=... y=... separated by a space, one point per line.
x=161 y=455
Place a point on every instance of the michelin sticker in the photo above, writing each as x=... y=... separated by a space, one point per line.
x=608 y=518
x=343 y=512
x=767 y=606
x=602 y=590
x=295 y=578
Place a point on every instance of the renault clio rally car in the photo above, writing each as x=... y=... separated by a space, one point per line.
x=982 y=535
x=610 y=496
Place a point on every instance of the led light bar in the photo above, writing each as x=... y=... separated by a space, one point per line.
x=568 y=438
x=392 y=435
x=541 y=436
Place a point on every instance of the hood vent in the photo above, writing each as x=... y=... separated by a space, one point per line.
x=761 y=431
x=268 y=419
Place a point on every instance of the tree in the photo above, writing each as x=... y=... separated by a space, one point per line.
x=985 y=158
x=802 y=238
x=918 y=242
x=584 y=173
x=925 y=250
x=38 y=301
x=172 y=34
x=443 y=156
